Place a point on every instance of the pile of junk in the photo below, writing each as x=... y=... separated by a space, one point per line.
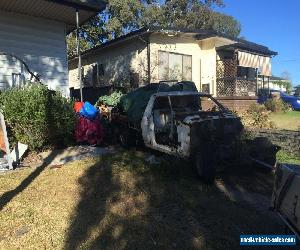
x=89 y=129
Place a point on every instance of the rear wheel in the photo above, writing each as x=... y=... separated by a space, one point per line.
x=126 y=138
x=205 y=165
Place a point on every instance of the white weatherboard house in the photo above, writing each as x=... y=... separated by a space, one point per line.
x=223 y=66
x=35 y=32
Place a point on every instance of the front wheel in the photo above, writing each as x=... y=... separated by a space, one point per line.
x=205 y=166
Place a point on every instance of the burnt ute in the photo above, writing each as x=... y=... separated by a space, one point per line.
x=186 y=124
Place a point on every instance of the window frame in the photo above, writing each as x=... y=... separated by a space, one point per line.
x=96 y=76
x=240 y=68
x=168 y=62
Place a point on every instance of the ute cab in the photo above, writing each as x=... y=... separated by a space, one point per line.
x=193 y=126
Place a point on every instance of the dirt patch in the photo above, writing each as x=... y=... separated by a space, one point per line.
x=64 y=156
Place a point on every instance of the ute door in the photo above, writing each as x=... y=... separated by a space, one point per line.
x=156 y=125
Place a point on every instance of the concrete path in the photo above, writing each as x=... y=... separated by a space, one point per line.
x=63 y=156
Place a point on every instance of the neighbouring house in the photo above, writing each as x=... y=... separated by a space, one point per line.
x=272 y=82
x=226 y=67
x=34 y=31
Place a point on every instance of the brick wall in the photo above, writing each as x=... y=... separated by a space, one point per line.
x=237 y=103
x=288 y=140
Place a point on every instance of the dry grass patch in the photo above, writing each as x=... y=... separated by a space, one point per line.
x=286 y=120
x=120 y=202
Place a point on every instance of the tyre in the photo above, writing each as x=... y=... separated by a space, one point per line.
x=126 y=138
x=205 y=166
x=263 y=151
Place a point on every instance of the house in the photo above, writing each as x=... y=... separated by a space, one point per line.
x=226 y=67
x=273 y=82
x=33 y=35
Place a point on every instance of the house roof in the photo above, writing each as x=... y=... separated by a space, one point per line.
x=241 y=44
x=116 y=41
x=197 y=34
x=58 y=10
x=251 y=47
x=276 y=78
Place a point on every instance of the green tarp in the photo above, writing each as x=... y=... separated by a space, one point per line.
x=135 y=102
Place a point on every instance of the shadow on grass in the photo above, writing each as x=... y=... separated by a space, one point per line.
x=127 y=204
x=8 y=196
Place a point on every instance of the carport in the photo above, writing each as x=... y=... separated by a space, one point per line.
x=58 y=10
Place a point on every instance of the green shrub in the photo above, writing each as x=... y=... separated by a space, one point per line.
x=62 y=119
x=37 y=116
x=257 y=116
x=277 y=105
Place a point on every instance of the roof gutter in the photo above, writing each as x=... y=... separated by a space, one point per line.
x=81 y=6
x=123 y=38
x=111 y=43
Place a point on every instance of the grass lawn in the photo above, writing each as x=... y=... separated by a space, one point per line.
x=120 y=202
x=289 y=120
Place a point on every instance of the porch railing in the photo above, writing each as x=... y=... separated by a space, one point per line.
x=228 y=84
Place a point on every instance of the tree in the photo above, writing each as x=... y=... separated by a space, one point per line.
x=297 y=90
x=224 y=24
x=72 y=45
x=287 y=83
x=122 y=17
x=119 y=18
x=286 y=75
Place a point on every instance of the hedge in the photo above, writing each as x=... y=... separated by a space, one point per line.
x=38 y=116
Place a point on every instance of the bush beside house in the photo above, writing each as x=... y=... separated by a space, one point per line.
x=258 y=124
x=38 y=116
x=277 y=105
x=256 y=116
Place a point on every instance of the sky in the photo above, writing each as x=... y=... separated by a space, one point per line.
x=272 y=23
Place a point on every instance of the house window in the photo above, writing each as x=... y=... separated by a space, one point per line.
x=18 y=80
x=205 y=88
x=173 y=66
x=82 y=73
x=98 y=72
x=100 y=69
x=246 y=73
x=134 y=79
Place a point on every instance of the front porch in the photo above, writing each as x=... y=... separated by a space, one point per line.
x=231 y=82
x=239 y=75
